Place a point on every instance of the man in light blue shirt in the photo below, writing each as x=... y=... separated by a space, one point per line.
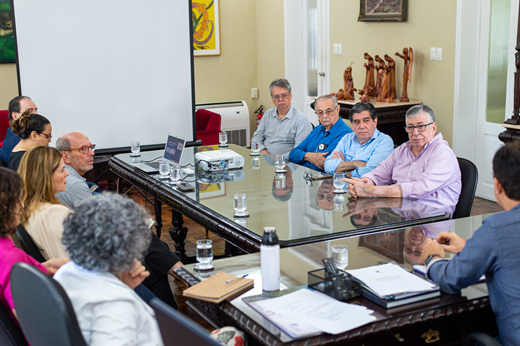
x=283 y=127
x=360 y=151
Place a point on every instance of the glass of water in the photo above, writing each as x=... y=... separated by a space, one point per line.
x=135 y=148
x=164 y=169
x=339 y=184
x=340 y=256
x=281 y=181
x=204 y=254
x=222 y=138
x=280 y=162
x=240 y=205
x=255 y=163
x=176 y=175
x=255 y=147
x=339 y=203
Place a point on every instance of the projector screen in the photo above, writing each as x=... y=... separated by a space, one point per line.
x=115 y=70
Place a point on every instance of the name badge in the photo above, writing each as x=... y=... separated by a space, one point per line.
x=322 y=146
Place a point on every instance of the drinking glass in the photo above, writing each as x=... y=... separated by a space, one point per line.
x=281 y=182
x=176 y=175
x=338 y=182
x=242 y=221
x=164 y=169
x=280 y=162
x=255 y=163
x=222 y=138
x=239 y=202
x=339 y=203
x=204 y=254
x=340 y=256
x=135 y=148
x=255 y=147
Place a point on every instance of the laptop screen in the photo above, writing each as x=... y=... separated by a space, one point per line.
x=174 y=148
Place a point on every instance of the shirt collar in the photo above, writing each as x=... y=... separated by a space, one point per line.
x=374 y=136
x=435 y=139
x=74 y=173
x=288 y=115
x=6 y=242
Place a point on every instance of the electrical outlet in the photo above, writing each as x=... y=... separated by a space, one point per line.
x=254 y=93
x=433 y=53
x=439 y=54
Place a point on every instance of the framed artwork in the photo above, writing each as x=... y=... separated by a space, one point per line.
x=389 y=244
x=382 y=11
x=205 y=15
x=7 y=54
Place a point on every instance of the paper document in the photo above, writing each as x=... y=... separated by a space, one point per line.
x=390 y=279
x=314 y=310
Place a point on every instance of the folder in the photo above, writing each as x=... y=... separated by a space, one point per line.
x=215 y=289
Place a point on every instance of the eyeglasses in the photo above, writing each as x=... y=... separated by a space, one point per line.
x=328 y=112
x=49 y=137
x=280 y=97
x=84 y=150
x=420 y=128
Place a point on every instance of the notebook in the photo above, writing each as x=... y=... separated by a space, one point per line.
x=172 y=154
x=215 y=289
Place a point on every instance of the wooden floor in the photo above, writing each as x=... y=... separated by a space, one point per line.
x=196 y=232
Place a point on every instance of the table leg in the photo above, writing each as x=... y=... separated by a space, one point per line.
x=158 y=217
x=178 y=233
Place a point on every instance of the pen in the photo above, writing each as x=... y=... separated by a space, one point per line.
x=243 y=276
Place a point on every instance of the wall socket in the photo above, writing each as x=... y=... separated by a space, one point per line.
x=254 y=93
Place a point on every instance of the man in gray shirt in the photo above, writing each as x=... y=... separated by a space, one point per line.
x=283 y=127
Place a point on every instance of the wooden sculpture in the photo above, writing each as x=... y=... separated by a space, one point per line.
x=383 y=77
x=381 y=66
x=391 y=76
x=407 y=56
x=369 y=79
x=348 y=83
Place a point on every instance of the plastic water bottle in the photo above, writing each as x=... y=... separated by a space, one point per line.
x=270 y=260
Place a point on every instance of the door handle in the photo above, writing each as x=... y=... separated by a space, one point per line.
x=321 y=74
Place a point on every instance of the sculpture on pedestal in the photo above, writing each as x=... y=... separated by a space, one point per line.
x=348 y=83
x=383 y=77
x=407 y=56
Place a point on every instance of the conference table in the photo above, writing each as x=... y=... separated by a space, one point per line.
x=443 y=320
x=303 y=210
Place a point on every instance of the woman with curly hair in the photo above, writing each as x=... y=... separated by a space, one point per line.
x=11 y=202
x=105 y=238
x=43 y=172
x=33 y=129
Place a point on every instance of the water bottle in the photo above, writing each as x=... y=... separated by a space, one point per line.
x=270 y=260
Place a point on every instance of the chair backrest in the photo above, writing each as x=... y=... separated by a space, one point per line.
x=43 y=308
x=177 y=329
x=10 y=333
x=4 y=125
x=28 y=244
x=207 y=120
x=469 y=177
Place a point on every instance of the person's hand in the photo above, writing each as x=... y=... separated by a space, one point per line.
x=264 y=151
x=338 y=155
x=359 y=187
x=356 y=206
x=135 y=276
x=175 y=266
x=450 y=242
x=317 y=159
x=431 y=247
x=54 y=264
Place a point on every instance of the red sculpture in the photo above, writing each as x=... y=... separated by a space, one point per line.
x=407 y=56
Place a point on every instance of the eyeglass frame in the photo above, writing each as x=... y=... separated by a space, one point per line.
x=82 y=150
x=280 y=97
x=49 y=137
x=328 y=112
x=417 y=127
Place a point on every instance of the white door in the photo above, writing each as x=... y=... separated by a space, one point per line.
x=307 y=51
x=486 y=36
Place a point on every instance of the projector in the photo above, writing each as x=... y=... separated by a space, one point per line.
x=221 y=177
x=219 y=160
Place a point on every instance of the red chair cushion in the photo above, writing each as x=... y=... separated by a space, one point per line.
x=4 y=125
x=208 y=126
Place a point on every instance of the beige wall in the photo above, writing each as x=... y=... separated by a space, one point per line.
x=429 y=24
x=8 y=84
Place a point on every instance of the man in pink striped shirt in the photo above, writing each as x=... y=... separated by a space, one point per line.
x=423 y=168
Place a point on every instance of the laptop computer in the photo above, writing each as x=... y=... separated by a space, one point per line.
x=172 y=154
x=177 y=329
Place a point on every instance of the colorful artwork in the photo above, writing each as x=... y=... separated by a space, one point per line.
x=7 y=54
x=205 y=17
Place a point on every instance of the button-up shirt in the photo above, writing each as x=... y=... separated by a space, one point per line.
x=76 y=190
x=319 y=141
x=279 y=137
x=492 y=250
x=375 y=150
x=433 y=174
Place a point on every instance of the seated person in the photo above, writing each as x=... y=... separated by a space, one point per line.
x=283 y=127
x=104 y=237
x=423 y=168
x=32 y=129
x=11 y=196
x=314 y=149
x=492 y=250
x=17 y=106
x=359 y=152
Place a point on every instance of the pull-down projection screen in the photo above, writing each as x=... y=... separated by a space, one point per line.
x=115 y=70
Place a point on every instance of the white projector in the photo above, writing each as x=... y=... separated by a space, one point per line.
x=219 y=160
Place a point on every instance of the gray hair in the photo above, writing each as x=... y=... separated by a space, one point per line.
x=416 y=110
x=282 y=83
x=63 y=144
x=327 y=97
x=107 y=233
x=282 y=198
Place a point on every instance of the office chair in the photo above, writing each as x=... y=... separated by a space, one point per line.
x=28 y=244
x=10 y=333
x=469 y=177
x=208 y=126
x=43 y=308
x=480 y=339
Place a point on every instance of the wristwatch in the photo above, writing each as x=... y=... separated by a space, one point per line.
x=429 y=258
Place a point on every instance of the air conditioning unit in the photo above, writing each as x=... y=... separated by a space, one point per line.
x=235 y=120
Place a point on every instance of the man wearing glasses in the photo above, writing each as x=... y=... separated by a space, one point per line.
x=78 y=155
x=282 y=127
x=313 y=151
x=425 y=167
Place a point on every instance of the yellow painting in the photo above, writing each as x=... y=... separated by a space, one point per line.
x=205 y=17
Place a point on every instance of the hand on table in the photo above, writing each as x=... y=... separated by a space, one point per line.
x=431 y=247
x=450 y=242
x=359 y=187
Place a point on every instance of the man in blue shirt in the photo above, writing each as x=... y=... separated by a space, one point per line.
x=314 y=149
x=17 y=106
x=492 y=250
x=361 y=151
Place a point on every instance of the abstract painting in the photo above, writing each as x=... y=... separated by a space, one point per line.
x=205 y=16
x=7 y=54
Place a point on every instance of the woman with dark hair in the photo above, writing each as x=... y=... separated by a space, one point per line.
x=105 y=238
x=11 y=197
x=33 y=129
